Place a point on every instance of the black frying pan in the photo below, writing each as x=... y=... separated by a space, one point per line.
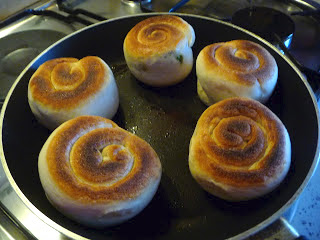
x=166 y=119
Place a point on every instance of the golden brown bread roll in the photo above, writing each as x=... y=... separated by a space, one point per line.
x=238 y=68
x=97 y=173
x=65 y=88
x=239 y=150
x=158 y=50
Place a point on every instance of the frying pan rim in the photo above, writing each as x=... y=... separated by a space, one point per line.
x=242 y=235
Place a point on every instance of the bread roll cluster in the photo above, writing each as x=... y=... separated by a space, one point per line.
x=64 y=88
x=158 y=50
x=97 y=173
x=239 y=68
x=239 y=150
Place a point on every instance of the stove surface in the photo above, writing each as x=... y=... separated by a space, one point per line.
x=20 y=44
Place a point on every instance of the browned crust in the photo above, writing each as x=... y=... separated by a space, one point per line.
x=229 y=163
x=156 y=35
x=65 y=83
x=240 y=61
x=146 y=167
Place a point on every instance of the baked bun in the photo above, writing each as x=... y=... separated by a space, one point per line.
x=97 y=173
x=239 y=150
x=238 y=68
x=158 y=50
x=64 y=88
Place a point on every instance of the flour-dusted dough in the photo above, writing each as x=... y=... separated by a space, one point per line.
x=158 y=50
x=97 y=173
x=64 y=88
x=239 y=150
x=238 y=68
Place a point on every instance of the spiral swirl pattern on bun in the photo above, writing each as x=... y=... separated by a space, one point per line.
x=65 y=88
x=239 y=150
x=158 y=50
x=97 y=173
x=238 y=68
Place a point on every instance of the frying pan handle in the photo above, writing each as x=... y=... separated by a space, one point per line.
x=280 y=229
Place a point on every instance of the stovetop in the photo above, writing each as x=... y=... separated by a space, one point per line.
x=24 y=37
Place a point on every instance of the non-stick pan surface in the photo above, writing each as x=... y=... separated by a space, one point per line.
x=166 y=119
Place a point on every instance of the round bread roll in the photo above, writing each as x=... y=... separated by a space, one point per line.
x=158 y=50
x=97 y=173
x=240 y=150
x=64 y=88
x=238 y=68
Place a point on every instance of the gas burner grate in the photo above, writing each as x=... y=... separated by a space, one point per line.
x=72 y=15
